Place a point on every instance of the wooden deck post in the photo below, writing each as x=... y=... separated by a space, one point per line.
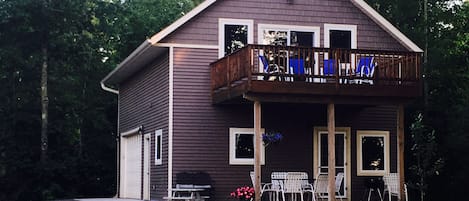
x=257 y=150
x=331 y=150
x=400 y=149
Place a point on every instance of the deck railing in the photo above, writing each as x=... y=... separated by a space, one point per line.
x=316 y=66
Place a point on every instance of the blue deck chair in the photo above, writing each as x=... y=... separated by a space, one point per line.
x=297 y=67
x=329 y=66
x=265 y=63
x=270 y=69
x=365 y=69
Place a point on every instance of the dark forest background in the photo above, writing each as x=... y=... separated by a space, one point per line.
x=58 y=138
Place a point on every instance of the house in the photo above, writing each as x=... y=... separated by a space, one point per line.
x=194 y=97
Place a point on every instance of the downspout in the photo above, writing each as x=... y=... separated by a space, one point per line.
x=108 y=89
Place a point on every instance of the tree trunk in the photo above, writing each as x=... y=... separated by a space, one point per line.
x=44 y=105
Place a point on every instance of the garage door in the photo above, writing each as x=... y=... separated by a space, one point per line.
x=130 y=174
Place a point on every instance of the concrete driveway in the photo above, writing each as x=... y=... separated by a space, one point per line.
x=100 y=199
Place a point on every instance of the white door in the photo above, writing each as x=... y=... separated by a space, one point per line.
x=146 y=167
x=130 y=171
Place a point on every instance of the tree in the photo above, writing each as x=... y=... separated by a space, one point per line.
x=446 y=74
x=74 y=44
x=425 y=150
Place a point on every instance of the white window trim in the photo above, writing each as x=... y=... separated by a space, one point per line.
x=221 y=32
x=159 y=133
x=387 y=161
x=279 y=27
x=340 y=27
x=347 y=168
x=232 y=145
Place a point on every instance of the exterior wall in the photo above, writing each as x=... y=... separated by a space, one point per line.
x=201 y=130
x=143 y=101
x=203 y=29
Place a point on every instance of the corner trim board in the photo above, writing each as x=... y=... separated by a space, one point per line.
x=170 y=121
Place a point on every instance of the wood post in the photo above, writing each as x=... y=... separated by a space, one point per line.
x=257 y=150
x=400 y=149
x=331 y=150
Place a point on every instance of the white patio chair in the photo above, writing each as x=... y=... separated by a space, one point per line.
x=320 y=186
x=264 y=187
x=276 y=185
x=391 y=186
x=306 y=187
x=339 y=179
x=293 y=185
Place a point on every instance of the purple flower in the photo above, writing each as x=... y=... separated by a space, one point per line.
x=271 y=137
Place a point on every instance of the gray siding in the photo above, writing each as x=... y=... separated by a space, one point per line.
x=143 y=100
x=203 y=29
x=201 y=130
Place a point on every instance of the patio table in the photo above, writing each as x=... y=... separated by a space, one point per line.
x=188 y=194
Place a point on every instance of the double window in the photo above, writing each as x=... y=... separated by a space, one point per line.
x=242 y=146
x=372 y=153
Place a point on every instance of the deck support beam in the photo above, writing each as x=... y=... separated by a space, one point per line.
x=400 y=150
x=257 y=150
x=331 y=150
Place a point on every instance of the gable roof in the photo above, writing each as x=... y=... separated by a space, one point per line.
x=143 y=53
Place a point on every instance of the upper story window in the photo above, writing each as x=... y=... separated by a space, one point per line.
x=372 y=153
x=242 y=146
x=288 y=35
x=233 y=35
x=340 y=36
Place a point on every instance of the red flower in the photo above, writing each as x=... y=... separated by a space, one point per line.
x=244 y=193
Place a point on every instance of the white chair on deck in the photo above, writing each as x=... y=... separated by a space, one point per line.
x=264 y=187
x=391 y=185
x=321 y=185
x=339 y=179
x=276 y=185
x=293 y=185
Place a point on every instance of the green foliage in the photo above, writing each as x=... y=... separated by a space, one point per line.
x=425 y=150
x=86 y=39
x=447 y=77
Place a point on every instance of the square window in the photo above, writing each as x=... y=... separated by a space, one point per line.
x=233 y=34
x=242 y=146
x=372 y=153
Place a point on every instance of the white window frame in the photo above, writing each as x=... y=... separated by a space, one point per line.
x=159 y=149
x=340 y=27
x=289 y=28
x=221 y=32
x=232 y=147
x=387 y=161
x=346 y=131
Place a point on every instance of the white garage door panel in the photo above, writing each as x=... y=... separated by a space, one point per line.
x=131 y=153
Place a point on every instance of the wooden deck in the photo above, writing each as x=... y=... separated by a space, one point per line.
x=319 y=75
